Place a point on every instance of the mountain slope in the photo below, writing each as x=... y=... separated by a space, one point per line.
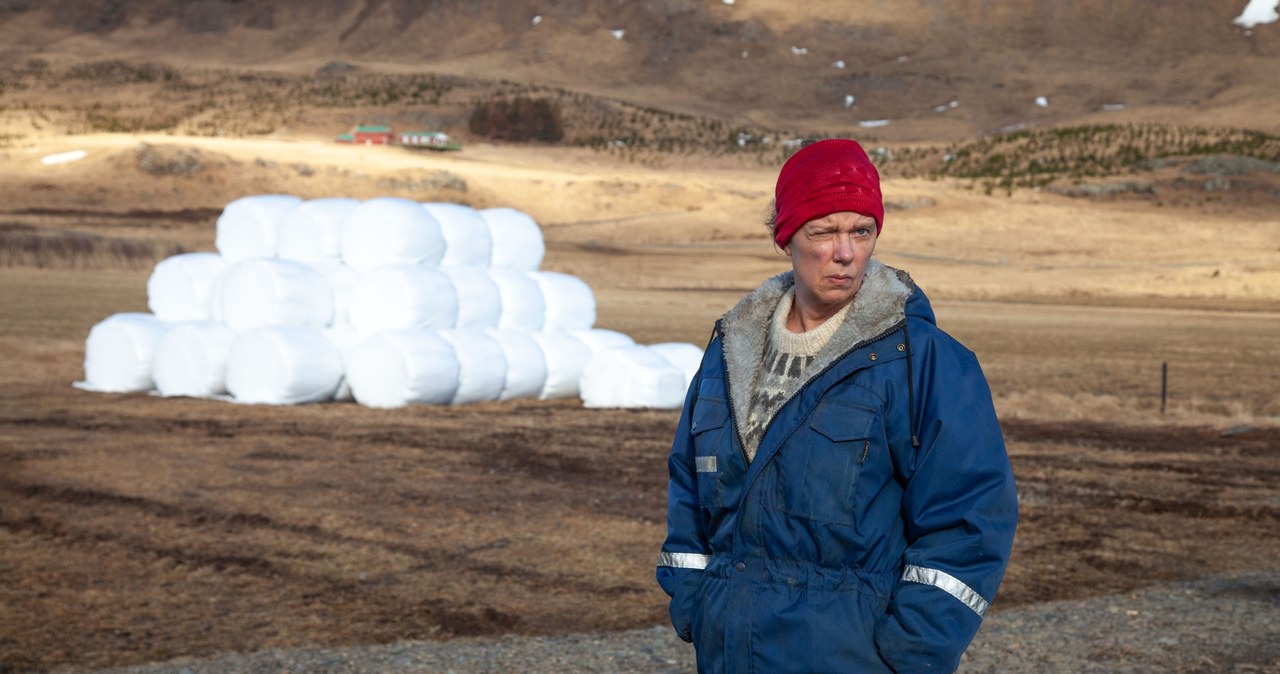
x=759 y=61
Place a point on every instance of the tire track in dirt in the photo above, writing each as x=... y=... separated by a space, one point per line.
x=215 y=525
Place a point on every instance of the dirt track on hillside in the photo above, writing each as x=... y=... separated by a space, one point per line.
x=135 y=529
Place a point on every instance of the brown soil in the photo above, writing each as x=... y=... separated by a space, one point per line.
x=138 y=529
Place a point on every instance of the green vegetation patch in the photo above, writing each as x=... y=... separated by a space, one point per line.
x=1037 y=158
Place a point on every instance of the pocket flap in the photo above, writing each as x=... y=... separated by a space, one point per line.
x=708 y=415
x=841 y=423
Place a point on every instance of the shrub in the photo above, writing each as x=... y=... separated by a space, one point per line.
x=519 y=119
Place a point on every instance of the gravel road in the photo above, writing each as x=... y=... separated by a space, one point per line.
x=1217 y=624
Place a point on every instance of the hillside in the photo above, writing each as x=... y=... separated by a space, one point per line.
x=761 y=62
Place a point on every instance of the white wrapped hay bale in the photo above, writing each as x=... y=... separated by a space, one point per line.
x=479 y=301
x=569 y=301
x=311 y=231
x=566 y=356
x=526 y=366
x=685 y=356
x=400 y=297
x=399 y=367
x=262 y=292
x=390 y=231
x=342 y=280
x=181 y=287
x=517 y=239
x=119 y=351
x=598 y=339
x=521 y=299
x=283 y=365
x=191 y=360
x=249 y=226
x=482 y=366
x=345 y=339
x=465 y=232
x=631 y=376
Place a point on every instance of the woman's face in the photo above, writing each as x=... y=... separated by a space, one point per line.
x=830 y=257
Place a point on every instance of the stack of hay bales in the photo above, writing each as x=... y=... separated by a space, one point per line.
x=387 y=302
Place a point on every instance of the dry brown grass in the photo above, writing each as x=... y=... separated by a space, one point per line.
x=25 y=246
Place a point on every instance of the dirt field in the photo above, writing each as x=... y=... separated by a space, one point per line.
x=138 y=529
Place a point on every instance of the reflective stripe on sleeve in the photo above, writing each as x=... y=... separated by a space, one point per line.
x=705 y=464
x=947 y=583
x=684 y=560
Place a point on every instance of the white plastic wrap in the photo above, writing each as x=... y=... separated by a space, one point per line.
x=345 y=338
x=181 y=286
x=482 y=366
x=566 y=356
x=521 y=299
x=284 y=365
x=119 y=351
x=400 y=297
x=311 y=231
x=249 y=226
x=400 y=367
x=191 y=360
x=569 y=301
x=631 y=376
x=342 y=280
x=466 y=234
x=390 y=231
x=479 y=302
x=526 y=366
x=262 y=292
x=598 y=339
x=517 y=239
x=685 y=356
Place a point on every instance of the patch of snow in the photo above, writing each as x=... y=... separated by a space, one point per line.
x=1042 y=101
x=728 y=2
x=1112 y=107
x=838 y=64
x=953 y=103
x=873 y=123
x=63 y=157
x=940 y=108
x=799 y=51
x=618 y=33
x=537 y=19
x=1258 y=11
x=848 y=101
x=902 y=59
x=744 y=53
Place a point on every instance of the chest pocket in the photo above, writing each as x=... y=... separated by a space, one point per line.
x=709 y=424
x=819 y=466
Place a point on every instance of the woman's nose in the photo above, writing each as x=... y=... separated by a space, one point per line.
x=844 y=249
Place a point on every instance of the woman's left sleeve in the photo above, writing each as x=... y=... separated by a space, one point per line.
x=959 y=509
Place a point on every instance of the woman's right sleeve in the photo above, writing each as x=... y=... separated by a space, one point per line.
x=685 y=553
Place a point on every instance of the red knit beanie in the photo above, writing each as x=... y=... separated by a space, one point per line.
x=826 y=177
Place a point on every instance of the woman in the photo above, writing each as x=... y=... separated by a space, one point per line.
x=840 y=499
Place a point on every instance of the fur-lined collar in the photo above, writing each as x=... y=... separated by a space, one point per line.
x=878 y=306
